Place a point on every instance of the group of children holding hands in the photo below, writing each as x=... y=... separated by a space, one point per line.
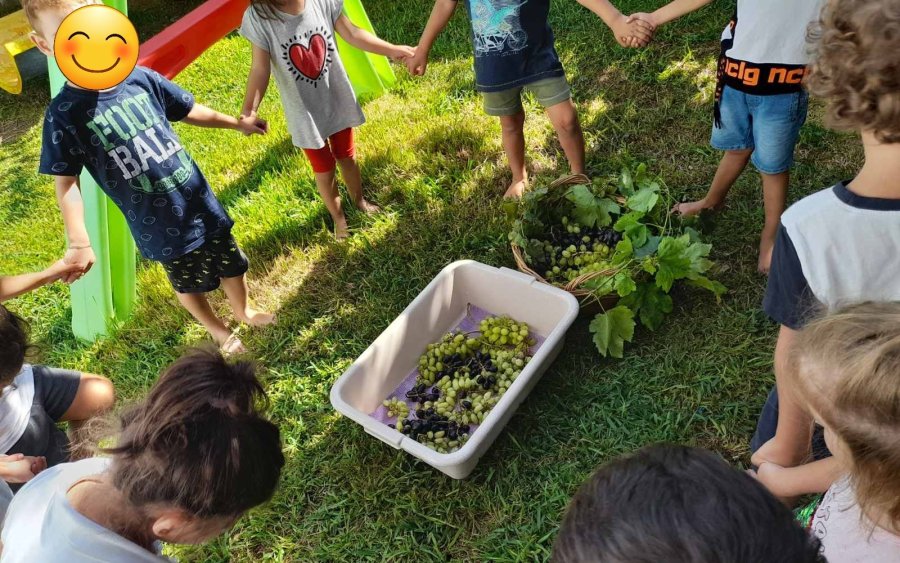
x=198 y=451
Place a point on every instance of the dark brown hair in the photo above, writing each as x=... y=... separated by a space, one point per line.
x=856 y=66
x=267 y=9
x=199 y=440
x=13 y=345
x=846 y=368
x=675 y=503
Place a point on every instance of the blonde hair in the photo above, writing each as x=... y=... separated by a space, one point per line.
x=847 y=369
x=855 y=66
x=33 y=8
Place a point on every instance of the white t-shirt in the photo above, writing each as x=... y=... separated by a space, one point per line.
x=838 y=524
x=41 y=525
x=6 y=496
x=15 y=408
x=773 y=31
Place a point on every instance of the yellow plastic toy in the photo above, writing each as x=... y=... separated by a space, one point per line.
x=14 y=32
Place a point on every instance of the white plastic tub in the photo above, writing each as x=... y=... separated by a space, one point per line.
x=440 y=307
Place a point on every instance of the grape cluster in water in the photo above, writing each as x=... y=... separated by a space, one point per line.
x=461 y=378
x=572 y=250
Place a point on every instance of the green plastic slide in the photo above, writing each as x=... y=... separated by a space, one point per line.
x=371 y=75
x=107 y=292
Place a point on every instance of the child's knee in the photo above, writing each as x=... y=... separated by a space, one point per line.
x=100 y=392
x=512 y=124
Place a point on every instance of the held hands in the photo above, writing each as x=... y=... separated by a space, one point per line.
x=418 y=63
x=18 y=468
x=402 y=53
x=252 y=125
x=80 y=259
x=635 y=30
x=60 y=271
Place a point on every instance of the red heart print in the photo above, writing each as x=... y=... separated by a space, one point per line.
x=310 y=61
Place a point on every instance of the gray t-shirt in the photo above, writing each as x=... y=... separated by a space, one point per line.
x=315 y=90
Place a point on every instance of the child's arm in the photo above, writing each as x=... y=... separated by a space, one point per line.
x=202 y=116
x=79 y=253
x=18 y=468
x=440 y=17
x=14 y=286
x=257 y=84
x=789 y=482
x=625 y=29
x=365 y=41
x=669 y=12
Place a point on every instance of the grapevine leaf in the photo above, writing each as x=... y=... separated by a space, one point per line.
x=649 y=265
x=651 y=246
x=640 y=174
x=534 y=249
x=630 y=225
x=674 y=264
x=697 y=253
x=623 y=253
x=510 y=208
x=704 y=282
x=645 y=199
x=591 y=210
x=626 y=183
x=612 y=330
x=650 y=303
x=624 y=284
x=516 y=236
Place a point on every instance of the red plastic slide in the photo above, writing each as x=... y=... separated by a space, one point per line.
x=175 y=47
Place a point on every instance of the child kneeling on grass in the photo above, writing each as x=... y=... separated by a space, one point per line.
x=34 y=399
x=846 y=373
x=514 y=50
x=189 y=462
x=760 y=101
x=124 y=138
x=840 y=245
x=295 y=40
x=674 y=503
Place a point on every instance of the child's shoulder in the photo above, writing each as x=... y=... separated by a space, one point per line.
x=810 y=207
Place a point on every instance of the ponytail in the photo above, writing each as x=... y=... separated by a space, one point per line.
x=199 y=440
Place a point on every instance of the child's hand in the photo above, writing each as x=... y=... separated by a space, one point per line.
x=18 y=468
x=403 y=53
x=418 y=63
x=252 y=125
x=82 y=259
x=59 y=270
x=633 y=31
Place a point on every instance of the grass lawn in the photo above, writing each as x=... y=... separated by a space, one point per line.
x=433 y=160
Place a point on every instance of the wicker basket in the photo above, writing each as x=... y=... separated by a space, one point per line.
x=583 y=295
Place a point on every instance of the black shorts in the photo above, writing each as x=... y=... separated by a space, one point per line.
x=202 y=269
x=54 y=392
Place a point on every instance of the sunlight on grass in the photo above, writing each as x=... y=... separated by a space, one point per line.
x=702 y=75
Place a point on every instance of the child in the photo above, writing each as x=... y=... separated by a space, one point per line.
x=124 y=138
x=514 y=50
x=674 y=503
x=294 y=39
x=840 y=245
x=190 y=461
x=760 y=102
x=14 y=286
x=845 y=372
x=34 y=399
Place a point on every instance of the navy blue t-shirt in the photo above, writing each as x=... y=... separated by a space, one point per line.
x=513 y=43
x=124 y=138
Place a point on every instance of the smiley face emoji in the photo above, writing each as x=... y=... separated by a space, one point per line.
x=96 y=47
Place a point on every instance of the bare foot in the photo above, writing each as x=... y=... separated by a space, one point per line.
x=692 y=208
x=516 y=189
x=773 y=452
x=367 y=207
x=341 y=230
x=232 y=346
x=766 y=246
x=255 y=318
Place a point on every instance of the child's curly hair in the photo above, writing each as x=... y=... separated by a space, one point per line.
x=855 y=65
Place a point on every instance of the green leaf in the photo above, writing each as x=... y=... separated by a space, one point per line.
x=697 y=253
x=640 y=174
x=673 y=263
x=631 y=226
x=626 y=183
x=645 y=199
x=624 y=284
x=510 y=208
x=650 y=303
x=612 y=330
x=590 y=210
x=649 y=248
x=704 y=282
x=534 y=249
x=623 y=253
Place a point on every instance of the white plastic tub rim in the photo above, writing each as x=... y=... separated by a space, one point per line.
x=460 y=463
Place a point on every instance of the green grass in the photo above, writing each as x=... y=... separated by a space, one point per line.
x=433 y=160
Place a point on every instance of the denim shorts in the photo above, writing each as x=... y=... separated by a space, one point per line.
x=769 y=125
x=549 y=92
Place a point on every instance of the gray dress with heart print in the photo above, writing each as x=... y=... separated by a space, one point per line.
x=315 y=90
